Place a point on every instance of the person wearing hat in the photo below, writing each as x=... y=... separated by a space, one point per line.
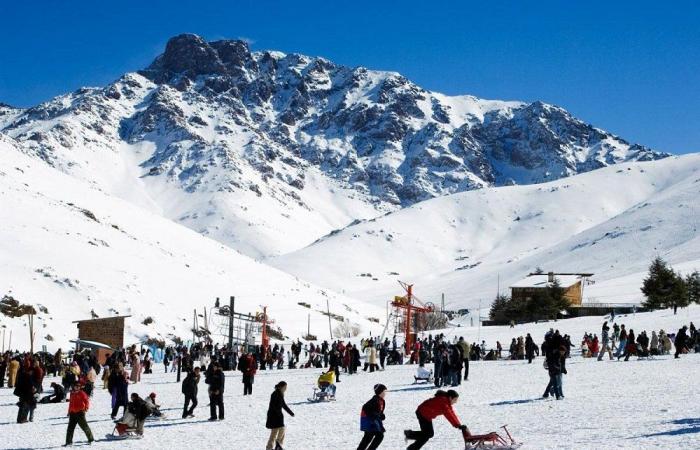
x=77 y=407
x=153 y=407
x=275 y=418
x=372 y=420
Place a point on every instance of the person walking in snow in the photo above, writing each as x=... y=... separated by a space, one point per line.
x=275 y=417
x=372 y=420
x=189 y=389
x=440 y=405
x=77 y=408
x=681 y=341
x=605 y=347
x=623 y=341
x=216 y=383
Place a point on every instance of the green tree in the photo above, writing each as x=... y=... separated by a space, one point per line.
x=663 y=287
x=499 y=309
x=692 y=283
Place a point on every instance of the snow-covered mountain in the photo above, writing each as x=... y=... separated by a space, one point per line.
x=611 y=222
x=266 y=152
x=71 y=250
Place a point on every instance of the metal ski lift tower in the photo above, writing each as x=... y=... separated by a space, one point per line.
x=408 y=306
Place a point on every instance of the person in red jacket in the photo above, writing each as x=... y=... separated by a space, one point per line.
x=440 y=405
x=78 y=406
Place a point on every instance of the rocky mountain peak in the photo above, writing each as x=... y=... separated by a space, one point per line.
x=189 y=55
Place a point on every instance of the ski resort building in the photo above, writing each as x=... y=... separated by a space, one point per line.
x=102 y=335
x=534 y=283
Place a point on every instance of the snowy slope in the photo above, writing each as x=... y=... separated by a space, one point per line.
x=266 y=152
x=73 y=250
x=611 y=222
x=639 y=404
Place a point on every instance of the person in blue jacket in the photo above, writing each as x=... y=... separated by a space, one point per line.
x=371 y=420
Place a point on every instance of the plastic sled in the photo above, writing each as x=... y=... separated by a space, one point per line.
x=321 y=395
x=491 y=441
x=125 y=428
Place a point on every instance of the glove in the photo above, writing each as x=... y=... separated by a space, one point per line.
x=291 y=414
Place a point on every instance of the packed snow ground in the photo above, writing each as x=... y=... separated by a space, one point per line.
x=636 y=404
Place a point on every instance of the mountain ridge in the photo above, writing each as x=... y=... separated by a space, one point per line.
x=242 y=146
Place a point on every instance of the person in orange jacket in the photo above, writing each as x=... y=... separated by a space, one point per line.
x=440 y=405
x=78 y=406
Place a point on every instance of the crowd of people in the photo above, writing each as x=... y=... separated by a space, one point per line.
x=450 y=357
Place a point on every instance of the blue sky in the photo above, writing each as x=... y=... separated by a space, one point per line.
x=632 y=68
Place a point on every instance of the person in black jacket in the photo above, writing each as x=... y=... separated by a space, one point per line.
x=190 y=389
x=216 y=392
x=137 y=407
x=681 y=341
x=371 y=420
x=25 y=389
x=275 y=418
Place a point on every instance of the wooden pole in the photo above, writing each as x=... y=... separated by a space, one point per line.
x=328 y=309
x=232 y=302
x=31 y=333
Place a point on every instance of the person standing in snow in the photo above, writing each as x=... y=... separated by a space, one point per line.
x=78 y=406
x=216 y=383
x=623 y=341
x=372 y=420
x=440 y=405
x=190 y=389
x=681 y=341
x=248 y=367
x=529 y=348
x=275 y=417
x=466 y=351
x=118 y=386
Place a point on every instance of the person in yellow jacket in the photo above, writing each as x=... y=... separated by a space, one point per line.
x=12 y=370
x=326 y=381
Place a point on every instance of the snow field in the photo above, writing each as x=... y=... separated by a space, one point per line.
x=637 y=404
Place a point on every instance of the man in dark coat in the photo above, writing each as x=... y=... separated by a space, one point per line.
x=190 y=389
x=275 y=418
x=529 y=348
x=137 y=406
x=216 y=393
x=372 y=420
x=25 y=389
x=681 y=341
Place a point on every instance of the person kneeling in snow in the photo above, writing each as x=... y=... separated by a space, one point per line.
x=153 y=407
x=440 y=405
x=138 y=408
x=326 y=382
x=59 y=394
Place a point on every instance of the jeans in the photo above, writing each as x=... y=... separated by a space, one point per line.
x=556 y=381
x=621 y=347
